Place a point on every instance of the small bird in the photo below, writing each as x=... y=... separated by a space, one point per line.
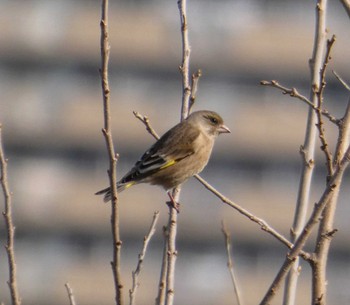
x=180 y=153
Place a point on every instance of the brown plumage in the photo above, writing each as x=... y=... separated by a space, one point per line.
x=180 y=153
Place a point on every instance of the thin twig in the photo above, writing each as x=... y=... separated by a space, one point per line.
x=293 y=92
x=144 y=119
x=262 y=223
x=230 y=262
x=319 y=93
x=340 y=79
x=171 y=251
x=185 y=65
x=343 y=137
x=136 y=273
x=346 y=4
x=70 y=294
x=10 y=228
x=113 y=157
x=194 y=86
x=332 y=186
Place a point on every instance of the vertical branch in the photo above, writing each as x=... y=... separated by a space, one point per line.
x=326 y=230
x=185 y=110
x=319 y=92
x=308 y=148
x=171 y=251
x=15 y=299
x=185 y=65
x=105 y=51
x=160 y=300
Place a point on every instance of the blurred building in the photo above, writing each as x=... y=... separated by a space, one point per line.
x=51 y=111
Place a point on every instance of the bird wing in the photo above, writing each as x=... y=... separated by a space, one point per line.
x=172 y=147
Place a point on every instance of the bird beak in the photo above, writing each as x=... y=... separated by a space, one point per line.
x=224 y=129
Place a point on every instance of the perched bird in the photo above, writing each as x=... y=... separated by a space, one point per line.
x=180 y=153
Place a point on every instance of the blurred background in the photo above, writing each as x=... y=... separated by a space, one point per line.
x=51 y=111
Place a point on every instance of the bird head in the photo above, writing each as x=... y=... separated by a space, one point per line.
x=210 y=121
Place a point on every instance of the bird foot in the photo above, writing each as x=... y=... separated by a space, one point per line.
x=173 y=204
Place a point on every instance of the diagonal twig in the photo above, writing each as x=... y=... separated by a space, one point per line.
x=340 y=79
x=230 y=262
x=145 y=120
x=136 y=273
x=262 y=223
x=70 y=294
x=293 y=92
x=346 y=5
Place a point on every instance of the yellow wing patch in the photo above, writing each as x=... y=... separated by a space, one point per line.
x=170 y=163
x=129 y=184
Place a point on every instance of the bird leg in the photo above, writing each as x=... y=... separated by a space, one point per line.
x=172 y=203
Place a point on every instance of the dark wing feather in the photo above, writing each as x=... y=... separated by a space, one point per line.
x=173 y=146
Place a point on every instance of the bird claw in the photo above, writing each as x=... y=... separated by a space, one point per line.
x=174 y=205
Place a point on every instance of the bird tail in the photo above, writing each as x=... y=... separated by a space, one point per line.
x=107 y=194
x=120 y=187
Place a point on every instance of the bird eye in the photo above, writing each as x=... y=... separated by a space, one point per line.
x=213 y=120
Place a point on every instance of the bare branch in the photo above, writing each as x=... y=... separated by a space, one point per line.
x=194 y=86
x=295 y=93
x=185 y=110
x=185 y=65
x=171 y=251
x=302 y=204
x=10 y=228
x=326 y=230
x=340 y=79
x=160 y=300
x=344 y=136
x=346 y=4
x=332 y=187
x=230 y=262
x=112 y=172
x=145 y=121
x=136 y=273
x=319 y=93
x=70 y=294
x=262 y=223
